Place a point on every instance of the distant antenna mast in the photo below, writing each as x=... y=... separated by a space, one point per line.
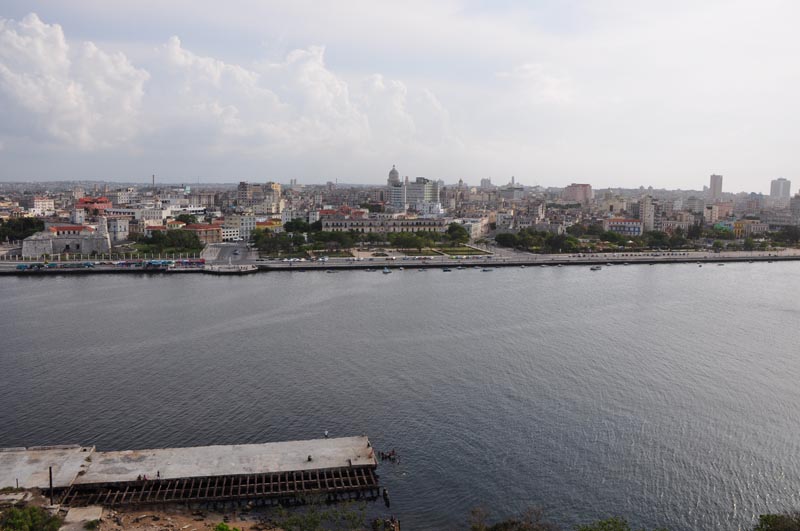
x=154 y=181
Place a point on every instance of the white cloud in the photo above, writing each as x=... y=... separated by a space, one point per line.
x=539 y=84
x=294 y=108
x=76 y=95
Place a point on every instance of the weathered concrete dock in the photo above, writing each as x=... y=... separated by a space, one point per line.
x=340 y=467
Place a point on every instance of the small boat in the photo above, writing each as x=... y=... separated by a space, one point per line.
x=595 y=268
x=720 y=264
x=401 y=268
x=446 y=269
x=522 y=266
x=386 y=270
x=560 y=265
x=330 y=271
x=609 y=264
x=460 y=268
x=487 y=269
x=699 y=265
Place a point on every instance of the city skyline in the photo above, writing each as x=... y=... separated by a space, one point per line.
x=622 y=97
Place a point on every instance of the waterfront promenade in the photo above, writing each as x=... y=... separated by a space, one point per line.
x=497 y=257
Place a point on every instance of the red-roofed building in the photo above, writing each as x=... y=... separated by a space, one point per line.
x=206 y=233
x=92 y=204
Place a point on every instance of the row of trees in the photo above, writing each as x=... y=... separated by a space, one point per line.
x=177 y=240
x=531 y=239
x=302 y=236
x=19 y=228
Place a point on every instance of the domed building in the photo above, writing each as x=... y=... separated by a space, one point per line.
x=394 y=177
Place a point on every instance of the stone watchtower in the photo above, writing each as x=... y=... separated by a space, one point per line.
x=102 y=234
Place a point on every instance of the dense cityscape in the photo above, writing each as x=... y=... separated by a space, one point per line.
x=48 y=220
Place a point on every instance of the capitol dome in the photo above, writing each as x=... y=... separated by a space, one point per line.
x=394 y=177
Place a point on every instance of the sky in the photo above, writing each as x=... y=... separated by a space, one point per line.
x=616 y=93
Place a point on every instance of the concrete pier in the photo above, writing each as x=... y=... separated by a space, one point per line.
x=282 y=470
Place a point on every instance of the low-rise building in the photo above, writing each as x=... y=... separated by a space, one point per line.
x=206 y=233
x=369 y=225
x=625 y=226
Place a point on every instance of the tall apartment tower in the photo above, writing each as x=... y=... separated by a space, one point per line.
x=647 y=213
x=780 y=189
x=716 y=187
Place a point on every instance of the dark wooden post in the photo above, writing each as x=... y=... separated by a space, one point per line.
x=51 y=485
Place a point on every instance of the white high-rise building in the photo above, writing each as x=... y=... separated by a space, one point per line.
x=780 y=189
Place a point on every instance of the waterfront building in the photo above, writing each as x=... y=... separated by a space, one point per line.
x=230 y=234
x=246 y=223
x=746 y=228
x=118 y=228
x=624 y=226
x=59 y=239
x=383 y=225
x=647 y=213
x=206 y=233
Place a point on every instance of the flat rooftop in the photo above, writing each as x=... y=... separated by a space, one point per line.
x=202 y=461
x=31 y=466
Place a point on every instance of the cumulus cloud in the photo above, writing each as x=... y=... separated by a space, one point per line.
x=77 y=95
x=296 y=107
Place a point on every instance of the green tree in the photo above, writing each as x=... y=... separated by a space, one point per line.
x=610 y=524
x=406 y=240
x=29 y=519
x=457 y=233
x=532 y=520
x=789 y=234
x=20 y=228
x=576 y=230
x=655 y=238
x=506 y=239
x=695 y=231
x=189 y=219
x=749 y=244
x=778 y=522
x=297 y=225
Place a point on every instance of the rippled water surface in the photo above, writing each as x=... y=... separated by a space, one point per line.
x=667 y=394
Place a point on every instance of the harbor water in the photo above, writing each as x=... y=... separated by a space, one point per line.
x=664 y=394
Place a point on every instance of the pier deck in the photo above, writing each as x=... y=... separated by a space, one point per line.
x=29 y=468
x=282 y=470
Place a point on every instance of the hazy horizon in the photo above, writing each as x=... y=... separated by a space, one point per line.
x=618 y=94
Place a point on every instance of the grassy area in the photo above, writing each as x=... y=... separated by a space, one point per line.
x=152 y=249
x=334 y=254
x=416 y=252
x=462 y=251
x=278 y=256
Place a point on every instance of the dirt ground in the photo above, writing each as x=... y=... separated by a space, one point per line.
x=174 y=519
